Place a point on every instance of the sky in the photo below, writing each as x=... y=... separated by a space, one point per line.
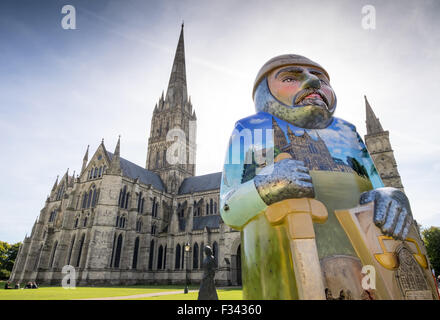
x=61 y=90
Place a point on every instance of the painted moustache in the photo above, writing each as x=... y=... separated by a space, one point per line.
x=310 y=96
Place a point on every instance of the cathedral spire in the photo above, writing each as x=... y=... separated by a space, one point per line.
x=176 y=92
x=373 y=124
x=85 y=159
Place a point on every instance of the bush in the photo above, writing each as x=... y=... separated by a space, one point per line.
x=431 y=237
x=4 y=274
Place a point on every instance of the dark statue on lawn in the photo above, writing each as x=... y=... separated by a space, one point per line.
x=207 y=289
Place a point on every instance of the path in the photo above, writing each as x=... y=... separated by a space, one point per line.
x=148 y=295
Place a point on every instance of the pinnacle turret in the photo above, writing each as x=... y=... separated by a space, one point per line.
x=55 y=184
x=115 y=166
x=85 y=159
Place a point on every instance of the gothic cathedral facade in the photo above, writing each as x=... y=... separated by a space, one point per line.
x=119 y=223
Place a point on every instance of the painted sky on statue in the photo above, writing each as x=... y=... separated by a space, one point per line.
x=340 y=139
x=62 y=90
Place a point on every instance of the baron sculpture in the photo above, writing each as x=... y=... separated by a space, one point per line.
x=301 y=186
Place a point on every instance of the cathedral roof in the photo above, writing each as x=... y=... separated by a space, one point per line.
x=133 y=171
x=201 y=183
x=210 y=221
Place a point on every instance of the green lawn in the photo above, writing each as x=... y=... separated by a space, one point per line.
x=59 y=293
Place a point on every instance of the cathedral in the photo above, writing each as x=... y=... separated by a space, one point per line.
x=119 y=223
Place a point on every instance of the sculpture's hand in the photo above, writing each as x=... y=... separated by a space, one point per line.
x=285 y=179
x=392 y=213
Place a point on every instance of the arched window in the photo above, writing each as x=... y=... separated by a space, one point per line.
x=89 y=198
x=84 y=203
x=117 y=221
x=95 y=175
x=215 y=207
x=71 y=249
x=91 y=174
x=153 y=207
x=177 y=264
x=81 y=244
x=202 y=252
x=113 y=250
x=215 y=253
x=211 y=207
x=118 y=251
x=76 y=222
x=100 y=171
x=157 y=159
x=207 y=209
x=52 y=259
x=139 y=202
x=52 y=216
x=153 y=229
x=94 y=197
x=135 y=253
x=78 y=198
x=164 y=158
x=165 y=257
x=159 y=257
x=139 y=225
x=195 y=208
x=196 y=256
x=183 y=256
x=150 y=261
x=127 y=200
x=123 y=197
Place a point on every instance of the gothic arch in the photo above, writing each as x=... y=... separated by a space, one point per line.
x=135 y=253
x=196 y=256
x=54 y=250
x=81 y=245
x=178 y=252
x=118 y=252
x=159 y=257
x=151 y=256
x=235 y=245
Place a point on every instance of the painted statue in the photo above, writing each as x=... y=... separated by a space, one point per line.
x=313 y=212
x=207 y=289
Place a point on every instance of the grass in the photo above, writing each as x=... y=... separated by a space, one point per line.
x=59 y=293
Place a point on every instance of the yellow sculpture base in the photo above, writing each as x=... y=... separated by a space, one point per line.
x=402 y=270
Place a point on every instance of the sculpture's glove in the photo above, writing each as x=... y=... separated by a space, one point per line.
x=285 y=179
x=392 y=213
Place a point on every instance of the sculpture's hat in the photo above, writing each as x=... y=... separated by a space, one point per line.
x=284 y=60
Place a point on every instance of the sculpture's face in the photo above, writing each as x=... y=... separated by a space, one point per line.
x=301 y=95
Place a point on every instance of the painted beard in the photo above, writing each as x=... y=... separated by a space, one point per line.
x=310 y=108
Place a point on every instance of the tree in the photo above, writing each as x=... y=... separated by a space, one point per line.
x=8 y=254
x=431 y=237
